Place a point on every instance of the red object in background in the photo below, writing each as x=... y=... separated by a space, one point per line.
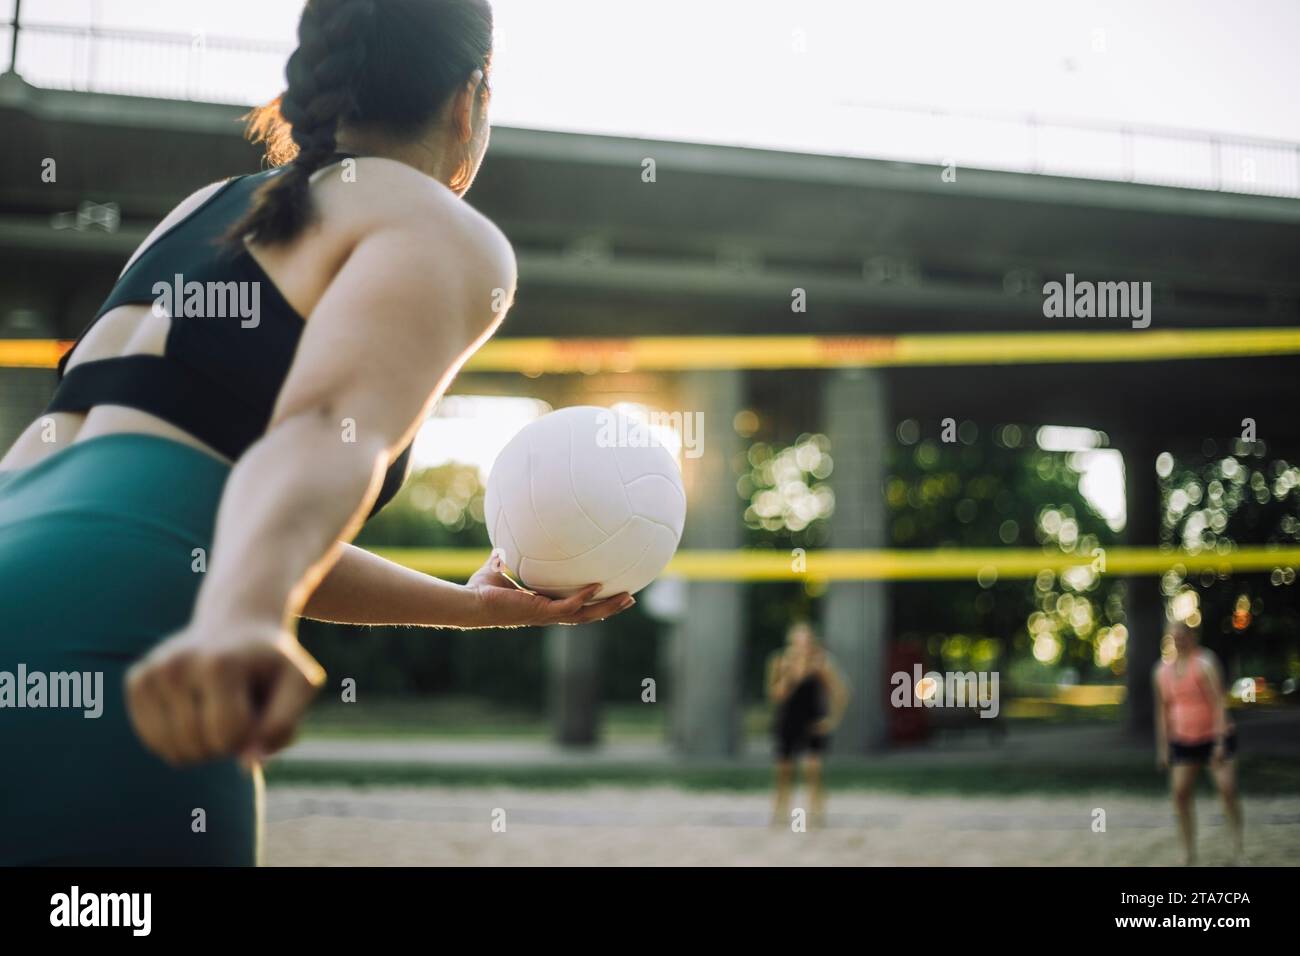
x=906 y=724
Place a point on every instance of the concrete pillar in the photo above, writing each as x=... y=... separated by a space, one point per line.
x=573 y=676
x=1144 y=610
x=856 y=622
x=707 y=642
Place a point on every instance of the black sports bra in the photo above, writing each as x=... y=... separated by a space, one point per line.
x=232 y=338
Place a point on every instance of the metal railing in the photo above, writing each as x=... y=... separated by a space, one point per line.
x=242 y=71
x=213 y=69
x=1159 y=155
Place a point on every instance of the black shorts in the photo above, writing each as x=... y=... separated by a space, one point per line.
x=791 y=744
x=1200 y=753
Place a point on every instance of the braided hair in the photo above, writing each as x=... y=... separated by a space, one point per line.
x=390 y=64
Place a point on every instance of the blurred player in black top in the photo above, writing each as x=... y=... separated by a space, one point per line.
x=810 y=696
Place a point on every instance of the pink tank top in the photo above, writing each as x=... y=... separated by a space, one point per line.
x=1189 y=705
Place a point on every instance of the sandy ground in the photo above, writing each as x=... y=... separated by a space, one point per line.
x=418 y=826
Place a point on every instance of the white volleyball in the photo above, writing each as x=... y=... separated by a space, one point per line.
x=585 y=495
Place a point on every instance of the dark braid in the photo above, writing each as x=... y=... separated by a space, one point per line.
x=387 y=65
x=322 y=73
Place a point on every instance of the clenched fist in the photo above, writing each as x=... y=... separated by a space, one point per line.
x=205 y=694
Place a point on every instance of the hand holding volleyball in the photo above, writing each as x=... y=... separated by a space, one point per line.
x=500 y=602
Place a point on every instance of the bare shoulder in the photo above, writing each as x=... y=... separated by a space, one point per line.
x=377 y=193
x=1209 y=661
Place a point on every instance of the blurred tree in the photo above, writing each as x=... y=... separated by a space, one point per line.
x=999 y=489
x=1215 y=502
x=438 y=507
x=981 y=491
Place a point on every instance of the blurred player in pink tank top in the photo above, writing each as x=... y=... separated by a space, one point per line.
x=1193 y=729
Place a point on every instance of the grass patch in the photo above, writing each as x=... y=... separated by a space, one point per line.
x=1258 y=777
x=420 y=717
x=457 y=718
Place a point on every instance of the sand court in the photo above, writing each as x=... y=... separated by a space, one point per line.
x=664 y=826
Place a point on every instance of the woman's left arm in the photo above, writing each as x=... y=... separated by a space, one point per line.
x=363 y=588
x=1218 y=700
x=838 y=688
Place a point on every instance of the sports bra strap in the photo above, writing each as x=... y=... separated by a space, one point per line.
x=159 y=386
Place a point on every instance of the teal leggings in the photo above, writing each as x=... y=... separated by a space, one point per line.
x=98 y=563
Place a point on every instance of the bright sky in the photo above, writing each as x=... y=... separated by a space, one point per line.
x=472 y=429
x=787 y=72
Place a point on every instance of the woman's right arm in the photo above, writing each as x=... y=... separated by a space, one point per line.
x=412 y=302
x=838 y=691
